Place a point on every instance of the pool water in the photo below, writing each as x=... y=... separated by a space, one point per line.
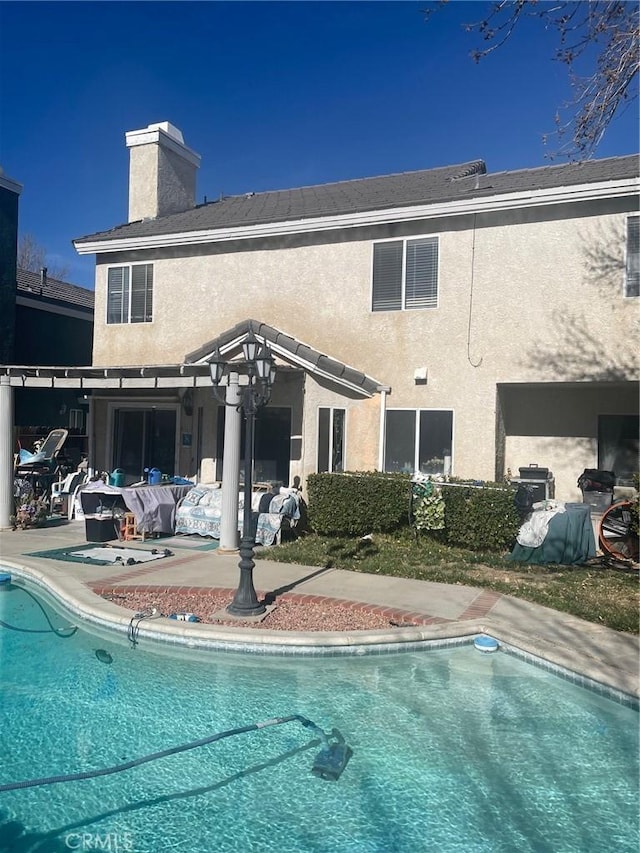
x=453 y=750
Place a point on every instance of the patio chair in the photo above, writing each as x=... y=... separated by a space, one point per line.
x=41 y=469
x=63 y=493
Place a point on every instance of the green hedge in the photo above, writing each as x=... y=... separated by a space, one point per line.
x=355 y=504
x=359 y=503
x=480 y=519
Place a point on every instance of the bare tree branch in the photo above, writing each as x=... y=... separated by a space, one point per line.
x=598 y=40
x=32 y=256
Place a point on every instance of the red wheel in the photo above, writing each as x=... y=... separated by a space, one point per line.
x=616 y=532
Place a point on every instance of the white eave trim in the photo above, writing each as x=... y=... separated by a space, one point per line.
x=9 y=184
x=459 y=207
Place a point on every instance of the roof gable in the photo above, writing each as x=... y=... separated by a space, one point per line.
x=288 y=349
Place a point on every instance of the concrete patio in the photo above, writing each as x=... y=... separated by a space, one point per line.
x=445 y=611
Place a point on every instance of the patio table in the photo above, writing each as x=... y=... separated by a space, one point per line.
x=154 y=507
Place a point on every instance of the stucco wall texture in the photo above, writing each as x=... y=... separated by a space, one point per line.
x=160 y=182
x=519 y=302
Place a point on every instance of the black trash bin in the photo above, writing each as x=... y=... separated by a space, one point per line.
x=597 y=488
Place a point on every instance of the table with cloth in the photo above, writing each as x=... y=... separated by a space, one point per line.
x=154 y=507
x=569 y=539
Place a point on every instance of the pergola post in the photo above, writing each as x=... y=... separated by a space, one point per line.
x=231 y=467
x=6 y=452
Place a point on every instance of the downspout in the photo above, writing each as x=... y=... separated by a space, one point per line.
x=384 y=390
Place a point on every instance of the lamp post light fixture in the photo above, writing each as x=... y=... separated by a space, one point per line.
x=260 y=370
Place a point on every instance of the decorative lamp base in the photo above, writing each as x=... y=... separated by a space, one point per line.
x=245 y=601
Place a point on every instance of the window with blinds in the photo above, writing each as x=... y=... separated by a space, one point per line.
x=632 y=278
x=405 y=274
x=130 y=294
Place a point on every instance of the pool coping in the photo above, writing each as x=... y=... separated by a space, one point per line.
x=99 y=613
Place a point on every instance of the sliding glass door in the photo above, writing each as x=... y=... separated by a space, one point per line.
x=271 y=442
x=144 y=438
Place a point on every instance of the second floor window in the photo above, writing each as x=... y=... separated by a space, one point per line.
x=405 y=274
x=632 y=278
x=130 y=294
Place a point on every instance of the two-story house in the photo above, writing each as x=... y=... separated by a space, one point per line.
x=450 y=320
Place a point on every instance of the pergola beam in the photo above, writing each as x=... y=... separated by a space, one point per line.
x=87 y=378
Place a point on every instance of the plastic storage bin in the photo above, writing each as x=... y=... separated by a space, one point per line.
x=100 y=529
x=598 y=501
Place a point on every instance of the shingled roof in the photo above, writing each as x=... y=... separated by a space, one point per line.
x=53 y=289
x=428 y=186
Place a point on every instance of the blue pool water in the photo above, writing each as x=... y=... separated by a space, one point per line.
x=454 y=751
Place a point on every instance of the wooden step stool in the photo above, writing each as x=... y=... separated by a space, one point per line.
x=129 y=527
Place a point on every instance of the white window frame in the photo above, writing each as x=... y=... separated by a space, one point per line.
x=331 y=410
x=128 y=321
x=403 y=284
x=627 y=254
x=416 y=446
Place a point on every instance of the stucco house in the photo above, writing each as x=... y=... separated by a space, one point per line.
x=446 y=320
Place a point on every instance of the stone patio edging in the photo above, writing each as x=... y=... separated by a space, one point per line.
x=113 y=621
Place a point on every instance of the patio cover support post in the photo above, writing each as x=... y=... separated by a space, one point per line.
x=6 y=452
x=91 y=439
x=231 y=467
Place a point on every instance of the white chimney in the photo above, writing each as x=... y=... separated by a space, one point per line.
x=162 y=172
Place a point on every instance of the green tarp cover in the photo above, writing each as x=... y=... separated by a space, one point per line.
x=569 y=540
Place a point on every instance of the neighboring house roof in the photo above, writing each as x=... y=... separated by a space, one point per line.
x=407 y=189
x=33 y=284
x=290 y=350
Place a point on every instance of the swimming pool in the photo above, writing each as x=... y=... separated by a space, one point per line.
x=453 y=750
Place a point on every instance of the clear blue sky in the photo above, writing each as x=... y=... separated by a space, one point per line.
x=272 y=95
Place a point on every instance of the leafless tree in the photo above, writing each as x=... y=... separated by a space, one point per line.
x=33 y=256
x=601 y=37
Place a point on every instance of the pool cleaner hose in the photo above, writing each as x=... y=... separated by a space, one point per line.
x=329 y=763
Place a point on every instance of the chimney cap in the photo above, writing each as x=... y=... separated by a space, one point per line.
x=165 y=134
x=170 y=129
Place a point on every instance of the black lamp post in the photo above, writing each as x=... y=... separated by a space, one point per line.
x=260 y=370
